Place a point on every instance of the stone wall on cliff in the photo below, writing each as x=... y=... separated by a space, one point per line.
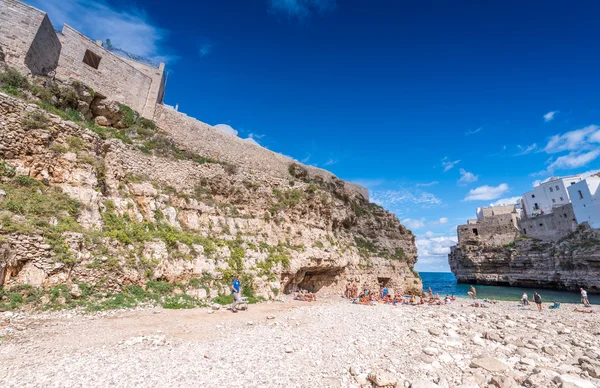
x=120 y=214
x=566 y=264
x=206 y=140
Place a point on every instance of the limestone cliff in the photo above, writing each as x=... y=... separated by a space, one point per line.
x=566 y=264
x=93 y=194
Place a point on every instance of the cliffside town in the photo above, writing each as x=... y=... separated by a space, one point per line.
x=550 y=240
x=98 y=200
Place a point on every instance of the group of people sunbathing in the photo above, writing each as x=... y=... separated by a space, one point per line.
x=385 y=296
x=305 y=296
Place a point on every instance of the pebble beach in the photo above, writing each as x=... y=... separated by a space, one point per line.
x=330 y=343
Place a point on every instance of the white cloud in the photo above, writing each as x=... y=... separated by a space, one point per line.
x=467 y=177
x=574 y=160
x=128 y=28
x=550 y=116
x=226 y=128
x=429 y=234
x=443 y=220
x=449 y=165
x=428 y=184
x=306 y=159
x=414 y=224
x=435 y=246
x=576 y=140
x=486 y=193
x=301 y=8
x=526 y=150
x=506 y=201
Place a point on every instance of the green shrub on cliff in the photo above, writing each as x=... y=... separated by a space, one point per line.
x=14 y=79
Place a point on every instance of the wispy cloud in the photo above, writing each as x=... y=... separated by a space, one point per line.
x=306 y=159
x=448 y=164
x=584 y=138
x=574 y=160
x=428 y=184
x=391 y=198
x=473 y=131
x=550 y=116
x=414 y=224
x=130 y=28
x=582 y=145
x=466 y=177
x=441 y=221
x=506 y=201
x=205 y=47
x=301 y=9
x=526 y=150
x=330 y=161
x=486 y=193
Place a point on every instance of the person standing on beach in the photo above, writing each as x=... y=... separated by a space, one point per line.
x=473 y=293
x=235 y=291
x=537 y=298
x=525 y=299
x=584 y=298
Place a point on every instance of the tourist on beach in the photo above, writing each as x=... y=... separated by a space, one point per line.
x=430 y=292
x=473 y=293
x=584 y=298
x=537 y=298
x=525 y=299
x=235 y=291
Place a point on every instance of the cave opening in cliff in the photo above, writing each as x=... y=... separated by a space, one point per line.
x=385 y=282
x=314 y=279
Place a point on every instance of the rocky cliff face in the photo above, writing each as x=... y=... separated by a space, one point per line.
x=92 y=194
x=567 y=264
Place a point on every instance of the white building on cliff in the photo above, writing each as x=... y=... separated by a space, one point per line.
x=585 y=197
x=548 y=195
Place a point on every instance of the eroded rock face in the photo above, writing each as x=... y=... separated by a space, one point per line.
x=140 y=217
x=568 y=264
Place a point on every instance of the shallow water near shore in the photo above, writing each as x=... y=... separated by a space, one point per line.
x=444 y=283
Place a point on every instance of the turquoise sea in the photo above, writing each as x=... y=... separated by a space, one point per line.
x=444 y=283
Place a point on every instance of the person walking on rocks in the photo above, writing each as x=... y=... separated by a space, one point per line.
x=537 y=298
x=235 y=291
x=584 y=298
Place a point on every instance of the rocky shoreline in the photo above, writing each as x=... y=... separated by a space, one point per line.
x=331 y=343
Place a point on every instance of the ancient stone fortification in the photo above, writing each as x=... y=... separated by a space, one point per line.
x=493 y=228
x=165 y=208
x=204 y=139
x=567 y=264
x=32 y=46
x=550 y=227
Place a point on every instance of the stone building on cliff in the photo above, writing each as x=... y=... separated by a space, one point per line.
x=32 y=46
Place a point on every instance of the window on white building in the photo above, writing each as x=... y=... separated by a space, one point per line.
x=562 y=199
x=557 y=188
x=536 y=206
x=551 y=190
x=532 y=195
x=553 y=200
x=580 y=194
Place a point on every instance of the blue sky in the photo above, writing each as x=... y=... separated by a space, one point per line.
x=438 y=107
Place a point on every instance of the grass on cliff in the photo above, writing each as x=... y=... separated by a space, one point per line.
x=30 y=207
x=95 y=298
